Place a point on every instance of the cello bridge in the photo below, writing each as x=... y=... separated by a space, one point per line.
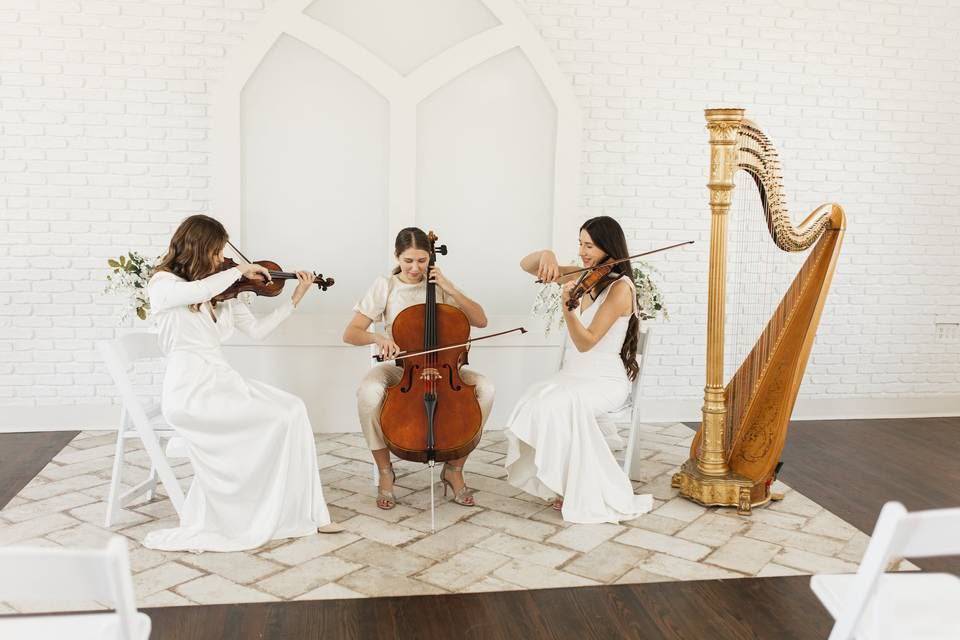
x=430 y=373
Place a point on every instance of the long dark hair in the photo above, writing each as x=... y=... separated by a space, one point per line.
x=193 y=250
x=607 y=234
x=410 y=238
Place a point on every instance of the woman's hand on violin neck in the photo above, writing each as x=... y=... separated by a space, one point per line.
x=388 y=348
x=437 y=276
x=254 y=271
x=304 y=282
x=549 y=268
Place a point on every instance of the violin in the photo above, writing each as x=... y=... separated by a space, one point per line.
x=593 y=277
x=590 y=280
x=431 y=414
x=262 y=287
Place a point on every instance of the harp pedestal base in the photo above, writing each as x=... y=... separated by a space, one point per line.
x=721 y=491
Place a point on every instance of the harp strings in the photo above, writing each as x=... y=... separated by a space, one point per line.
x=758 y=276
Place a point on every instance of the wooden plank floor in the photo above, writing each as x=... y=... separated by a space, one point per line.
x=769 y=608
x=24 y=455
x=851 y=467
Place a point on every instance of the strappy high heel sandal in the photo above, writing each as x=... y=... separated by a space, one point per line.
x=385 y=499
x=465 y=495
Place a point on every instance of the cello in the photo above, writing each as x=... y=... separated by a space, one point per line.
x=431 y=415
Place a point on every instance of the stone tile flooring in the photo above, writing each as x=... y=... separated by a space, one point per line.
x=510 y=541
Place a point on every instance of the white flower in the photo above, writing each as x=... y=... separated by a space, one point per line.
x=128 y=280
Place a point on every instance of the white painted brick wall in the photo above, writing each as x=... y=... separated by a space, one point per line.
x=104 y=146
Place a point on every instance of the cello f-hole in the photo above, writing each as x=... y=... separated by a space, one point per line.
x=453 y=384
x=409 y=382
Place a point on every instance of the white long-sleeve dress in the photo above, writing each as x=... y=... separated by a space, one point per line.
x=556 y=447
x=251 y=445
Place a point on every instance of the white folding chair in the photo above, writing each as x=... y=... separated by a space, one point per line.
x=44 y=574
x=632 y=403
x=139 y=421
x=872 y=604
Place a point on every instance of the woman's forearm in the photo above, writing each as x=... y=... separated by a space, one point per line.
x=358 y=337
x=581 y=337
x=473 y=311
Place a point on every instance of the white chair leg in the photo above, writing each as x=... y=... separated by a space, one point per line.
x=116 y=476
x=632 y=441
x=163 y=470
x=152 y=479
x=628 y=453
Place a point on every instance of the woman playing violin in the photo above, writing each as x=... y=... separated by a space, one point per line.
x=250 y=444
x=557 y=449
x=383 y=302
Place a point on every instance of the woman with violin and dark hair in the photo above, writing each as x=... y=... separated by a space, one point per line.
x=386 y=299
x=250 y=444
x=557 y=449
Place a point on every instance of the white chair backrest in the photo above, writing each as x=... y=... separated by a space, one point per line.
x=923 y=534
x=138 y=345
x=897 y=534
x=46 y=574
x=642 y=343
x=120 y=355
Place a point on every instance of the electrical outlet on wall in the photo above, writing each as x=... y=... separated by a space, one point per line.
x=947 y=331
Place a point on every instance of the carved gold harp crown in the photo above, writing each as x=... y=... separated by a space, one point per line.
x=734 y=457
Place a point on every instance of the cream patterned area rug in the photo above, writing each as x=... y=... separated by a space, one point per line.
x=511 y=541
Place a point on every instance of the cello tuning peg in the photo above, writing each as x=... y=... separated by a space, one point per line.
x=442 y=249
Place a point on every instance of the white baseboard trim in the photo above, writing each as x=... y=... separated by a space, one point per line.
x=60 y=417
x=68 y=417
x=864 y=408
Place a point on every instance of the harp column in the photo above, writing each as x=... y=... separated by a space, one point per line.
x=706 y=477
x=722 y=125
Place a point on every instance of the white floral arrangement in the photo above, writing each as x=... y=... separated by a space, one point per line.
x=649 y=298
x=128 y=281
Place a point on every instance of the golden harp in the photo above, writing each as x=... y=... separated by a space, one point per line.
x=735 y=455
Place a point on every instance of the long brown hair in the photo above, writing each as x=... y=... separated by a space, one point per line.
x=193 y=250
x=410 y=238
x=607 y=235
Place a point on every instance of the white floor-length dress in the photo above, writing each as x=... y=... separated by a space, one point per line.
x=251 y=445
x=556 y=447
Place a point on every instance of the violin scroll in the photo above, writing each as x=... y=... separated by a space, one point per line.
x=323 y=283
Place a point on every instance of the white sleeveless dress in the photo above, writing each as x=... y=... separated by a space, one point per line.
x=556 y=447
x=250 y=444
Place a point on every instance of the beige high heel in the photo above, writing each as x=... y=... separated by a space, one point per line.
x=385 y=499
x=465 y=495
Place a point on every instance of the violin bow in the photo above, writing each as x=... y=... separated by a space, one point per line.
x=239 y=253
x=325 y=281
x=404 y=354
x=610 y=264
